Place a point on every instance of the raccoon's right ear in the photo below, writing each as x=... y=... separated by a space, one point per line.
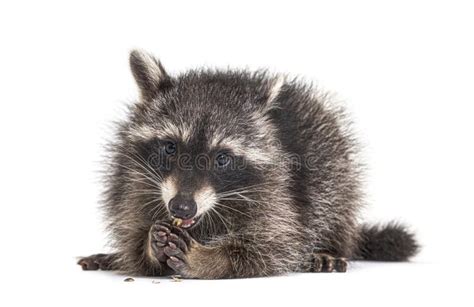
x=149 y=74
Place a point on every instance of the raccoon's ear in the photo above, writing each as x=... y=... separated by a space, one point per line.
x=149 y=74
x=272 y=90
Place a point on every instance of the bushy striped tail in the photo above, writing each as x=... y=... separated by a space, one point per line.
x=390 y=242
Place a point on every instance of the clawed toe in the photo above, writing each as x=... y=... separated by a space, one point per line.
x=327 y=263
x=176 y=264
x=88 y=264
x=97 y=262
x=169 y=245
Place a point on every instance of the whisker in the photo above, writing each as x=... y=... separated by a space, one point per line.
x=136 y=172
x=160 y=209
x=236 y=210
x=145 y=166
x=251 y=187
x=224 y=221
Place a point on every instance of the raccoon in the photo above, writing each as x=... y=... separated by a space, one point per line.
x=233 y=174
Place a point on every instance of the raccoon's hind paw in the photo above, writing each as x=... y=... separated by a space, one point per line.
x=327 y=263
x=97 y=262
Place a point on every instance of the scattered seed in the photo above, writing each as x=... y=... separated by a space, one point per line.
x=155 y=281
x=176 y=278
x=129 y=279
x=177 y=222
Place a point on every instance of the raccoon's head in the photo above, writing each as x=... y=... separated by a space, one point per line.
x=201 y=142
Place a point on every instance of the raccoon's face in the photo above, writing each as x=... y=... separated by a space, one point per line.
x=203 y=138
x=193 y=178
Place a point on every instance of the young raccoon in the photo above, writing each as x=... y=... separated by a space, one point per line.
x=227 y=174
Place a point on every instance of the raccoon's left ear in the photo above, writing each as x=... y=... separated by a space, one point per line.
x=149 y=74
x=273 y=90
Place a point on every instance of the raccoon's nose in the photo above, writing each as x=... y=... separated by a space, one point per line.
x=182 y=208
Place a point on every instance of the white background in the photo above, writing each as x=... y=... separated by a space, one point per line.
x=404 y=69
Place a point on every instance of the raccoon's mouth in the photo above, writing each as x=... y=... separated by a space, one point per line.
x=185 y=223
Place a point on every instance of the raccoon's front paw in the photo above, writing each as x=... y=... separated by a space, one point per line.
x=157 y=241
x=97 y=262
x=169 y=244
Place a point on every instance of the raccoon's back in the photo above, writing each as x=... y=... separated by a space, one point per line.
x=316 y=131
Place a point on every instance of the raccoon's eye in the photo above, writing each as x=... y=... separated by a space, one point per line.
x=170 y=148
x=222 y=159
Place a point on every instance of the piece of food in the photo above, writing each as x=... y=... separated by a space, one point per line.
x=177 y=222
x=129 y=279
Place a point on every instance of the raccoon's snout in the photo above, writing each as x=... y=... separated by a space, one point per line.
x=187 y=203
x=183 y=208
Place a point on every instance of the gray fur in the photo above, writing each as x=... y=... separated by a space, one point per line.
x=304 y=176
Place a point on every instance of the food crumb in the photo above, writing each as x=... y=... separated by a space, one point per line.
x=176 y=278
x=177 y=222
x=155 y=281
x=129 y=279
